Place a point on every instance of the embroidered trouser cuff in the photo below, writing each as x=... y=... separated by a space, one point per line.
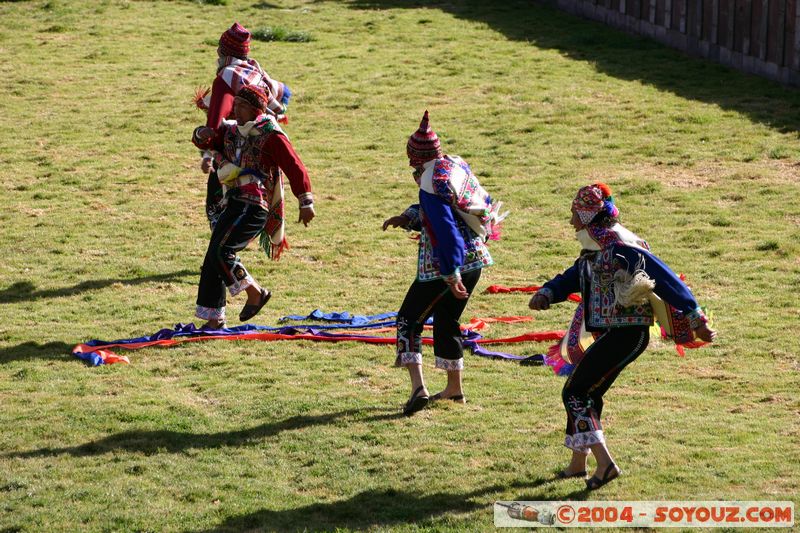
x=241 y=284
x=450 y=364
x=580 y=442
x=210 y=313
x=408 y=358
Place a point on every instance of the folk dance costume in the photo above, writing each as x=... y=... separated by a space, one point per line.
x=455 y=217
x=234 y=71
x=618 y=278
x=250 y=159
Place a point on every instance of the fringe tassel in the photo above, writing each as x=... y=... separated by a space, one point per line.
x=199 y=98
x=632 y=289
x=494 y=232
x=278 y=250
x=554 y=360
x=273 y=251
x=495 y=224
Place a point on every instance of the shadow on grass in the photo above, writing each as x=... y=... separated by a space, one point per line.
x=622 y=56
x=376 y=508
x=151 y=442
x=26 y=291
x=33 y=350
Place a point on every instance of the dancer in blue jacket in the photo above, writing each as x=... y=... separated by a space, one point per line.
x=455 y=217
x=618 y=278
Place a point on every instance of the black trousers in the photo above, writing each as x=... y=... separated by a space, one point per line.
x=237 y=225
x=601 y=364
x=426 y=298
x=214 y=199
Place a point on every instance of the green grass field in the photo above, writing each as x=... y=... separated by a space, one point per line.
x=103 y=233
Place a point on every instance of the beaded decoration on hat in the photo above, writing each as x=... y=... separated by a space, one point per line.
x=593 y=199
x=235 y=41
x=423 y=145
x=255 y=96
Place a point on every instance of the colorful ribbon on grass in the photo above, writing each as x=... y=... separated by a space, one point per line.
x=501 y=289
x=98 y=352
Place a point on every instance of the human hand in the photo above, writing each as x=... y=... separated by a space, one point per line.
x=705 y=333
x=396 y=222
x=539 y=302
x=306 y=214
x=459 y=290
x=206 y=165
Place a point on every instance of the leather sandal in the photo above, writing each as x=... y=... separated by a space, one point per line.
x=416 y=403
x=611 y=473
x=459 y=398
x=565 y=475
x=251 y=310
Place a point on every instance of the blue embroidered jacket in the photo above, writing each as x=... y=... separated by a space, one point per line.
x=593 y=275
x=447 y=246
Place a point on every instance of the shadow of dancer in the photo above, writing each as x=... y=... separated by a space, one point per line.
x=375 y=508
x=151 y=442
x=26 y=291
x=31 y=350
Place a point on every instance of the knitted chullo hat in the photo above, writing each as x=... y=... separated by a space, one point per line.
x=593 y=199
x=235 y=41
x=423 y=145
x=255 y=96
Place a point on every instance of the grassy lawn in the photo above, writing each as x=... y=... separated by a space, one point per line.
x=102 y=234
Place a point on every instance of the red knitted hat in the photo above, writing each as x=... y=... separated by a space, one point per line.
x=235 y=41
x=423 y=145
x=255 y=96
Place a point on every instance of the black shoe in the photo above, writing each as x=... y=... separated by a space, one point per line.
x=457 y=398
x=564 y=475
x=251 y=310
x=416 y=403
x=213 y=325
x=611 y=473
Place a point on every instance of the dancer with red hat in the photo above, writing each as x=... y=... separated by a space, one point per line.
x=455 y=217
x=252 y=156
x=618 y=277
x=235 y=69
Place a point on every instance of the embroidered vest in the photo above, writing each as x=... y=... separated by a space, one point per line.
x=597 y=286
x=256 y=183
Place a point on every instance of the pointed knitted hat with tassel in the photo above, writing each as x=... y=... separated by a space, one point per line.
x=423 y=145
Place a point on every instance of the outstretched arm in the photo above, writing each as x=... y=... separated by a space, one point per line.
x=557 y=289
x=669 y=287
x=408 y=220
x=278 y=147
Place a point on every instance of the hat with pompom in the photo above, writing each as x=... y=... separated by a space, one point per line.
x=592 y=200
